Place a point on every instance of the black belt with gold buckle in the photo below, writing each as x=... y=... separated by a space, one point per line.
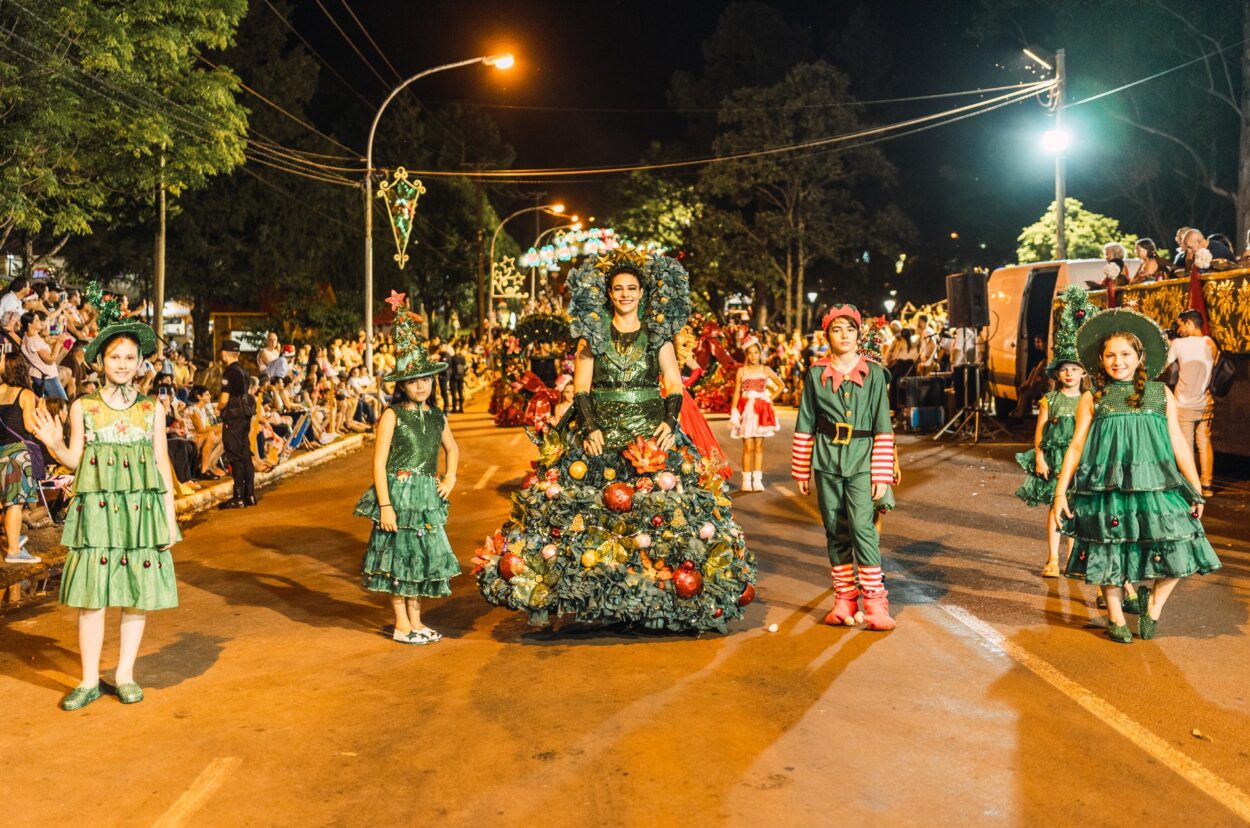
x=840 y=434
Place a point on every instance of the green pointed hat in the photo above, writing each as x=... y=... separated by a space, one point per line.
x=112 y=326
x=414 y=360
x=1076 y=311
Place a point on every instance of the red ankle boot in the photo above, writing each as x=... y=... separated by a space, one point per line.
x=877 y=613
x=845 y=610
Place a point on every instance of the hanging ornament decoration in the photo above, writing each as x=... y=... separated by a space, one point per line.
x=400 y=196
x=508 y=281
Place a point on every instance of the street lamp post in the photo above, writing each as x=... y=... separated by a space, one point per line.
x=552 y=209
x=1056 y=141
x=811 y=307
x=502 y=61
x=575 y=225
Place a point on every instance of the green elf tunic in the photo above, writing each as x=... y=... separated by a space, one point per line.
x=117 y=529
x=839 y=420
x=417 y=560
x=1056 y=437
x=1133 y=508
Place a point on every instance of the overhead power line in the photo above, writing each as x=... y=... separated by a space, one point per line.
x=696 y=110
x=318 y=56
x=1156 y=75
x=1021 y=93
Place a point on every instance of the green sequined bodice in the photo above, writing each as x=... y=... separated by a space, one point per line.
x=1115 y=399
x=1059 y=404
x=625 y=389
x=417 y=439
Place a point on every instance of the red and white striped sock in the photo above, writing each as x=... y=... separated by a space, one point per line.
x=844 y=579
x=871 y=581
x=801 y=456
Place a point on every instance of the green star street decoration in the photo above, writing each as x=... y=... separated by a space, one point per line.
x=509 y=282
x=400 y=196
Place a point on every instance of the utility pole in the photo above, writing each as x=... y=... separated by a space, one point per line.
x=1061 y=241
x=158 y=269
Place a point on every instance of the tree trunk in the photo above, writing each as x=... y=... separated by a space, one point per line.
x=789 y=315
x=1243 y=159
x=203 y=339
x=762 y=305
x=28 y=254
x=800 y=287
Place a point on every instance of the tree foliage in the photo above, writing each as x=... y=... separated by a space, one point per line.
x=1085 y=233
x=93 y=93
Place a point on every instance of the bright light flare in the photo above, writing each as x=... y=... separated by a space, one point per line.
x=503 y=61
x=557 y=208
x=1034 y=56
x=1056 y=140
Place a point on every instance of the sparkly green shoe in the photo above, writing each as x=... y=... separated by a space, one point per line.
x=1146 y=625
x=80 y=697
x=1120 y=633
x=129 y=693
x=1135 y=605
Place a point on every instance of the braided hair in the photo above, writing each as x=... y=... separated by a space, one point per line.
x=1101 y=380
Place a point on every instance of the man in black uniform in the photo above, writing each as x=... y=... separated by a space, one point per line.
x=237 y=409
x=457 y=367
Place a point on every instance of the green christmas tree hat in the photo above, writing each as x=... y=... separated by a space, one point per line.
x=112 y=325
x=413 y=360
x=1076 y=311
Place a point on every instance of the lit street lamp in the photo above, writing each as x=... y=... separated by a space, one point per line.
x=889 y=306
x=551 y=209
x=1055 y=141
x=503 y=61
x=811 y=306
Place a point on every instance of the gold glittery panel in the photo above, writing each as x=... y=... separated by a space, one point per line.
x=1227 y=295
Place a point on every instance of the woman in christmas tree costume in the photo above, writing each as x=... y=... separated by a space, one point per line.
x=1128 y=492
x=409 y=556
x=121 y=522
x=624 y=519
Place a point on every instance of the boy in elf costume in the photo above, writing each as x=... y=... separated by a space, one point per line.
x=845 y=436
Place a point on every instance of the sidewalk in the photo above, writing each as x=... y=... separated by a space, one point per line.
x=18 y=582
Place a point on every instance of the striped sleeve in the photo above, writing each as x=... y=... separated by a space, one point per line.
x=801 y=456
x=883 y=458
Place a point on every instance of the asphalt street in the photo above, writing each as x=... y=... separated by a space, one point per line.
x=275 y=696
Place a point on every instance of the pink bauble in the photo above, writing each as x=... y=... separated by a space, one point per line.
x=666 y=480
x=642 y=539
x=553 y=491
x=706 y=531
x=549 y=551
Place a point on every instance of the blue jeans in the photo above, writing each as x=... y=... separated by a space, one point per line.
x=49 y=387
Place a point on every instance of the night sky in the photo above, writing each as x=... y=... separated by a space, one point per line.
x=984 y=178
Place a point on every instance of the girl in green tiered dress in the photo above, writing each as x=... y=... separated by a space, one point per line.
x=1056 y=421
x=409 y=556
x=121 y=522
x=1129 y=492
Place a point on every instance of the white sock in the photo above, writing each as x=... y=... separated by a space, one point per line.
x=759 y=480
x=748 y=484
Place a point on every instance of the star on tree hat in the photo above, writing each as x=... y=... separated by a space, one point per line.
x=414 y=360
x=1090 y=338
x=1076 y=311
x=112 y=326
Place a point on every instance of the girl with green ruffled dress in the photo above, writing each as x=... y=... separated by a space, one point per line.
x=1056 y=422
x=1128 y=492
x=409 y=556
x=121 y=522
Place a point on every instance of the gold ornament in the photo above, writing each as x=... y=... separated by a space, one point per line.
x=679 y=518
x=589 y=558
x=551 y=450
x=609 y=474
x=620 y=256
x=578 y=524
x=577 y=470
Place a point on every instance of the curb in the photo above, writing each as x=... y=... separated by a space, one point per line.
x=185 y=508
x=207 y=498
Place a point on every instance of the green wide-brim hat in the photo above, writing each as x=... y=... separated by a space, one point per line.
x=140 y=331
x=414 y=365
x=1062 y=359
x=1090 y=337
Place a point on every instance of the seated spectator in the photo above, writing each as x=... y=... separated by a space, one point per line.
x=1202 y=252
x=19 y=484
x=10 y=332
x=269 y=352
x=43 y=353
x=206 y=432
x=1152 y=267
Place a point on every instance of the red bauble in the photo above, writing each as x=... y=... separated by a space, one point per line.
x=556 y=532
x=619 y=497
x=719 y=612
x=747 y=596
x=687 y=581
x=658 y=520
x=644 y=484
x=530 y=480
x=510 y=565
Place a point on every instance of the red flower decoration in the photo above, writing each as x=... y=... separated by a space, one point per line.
x=645 y=455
